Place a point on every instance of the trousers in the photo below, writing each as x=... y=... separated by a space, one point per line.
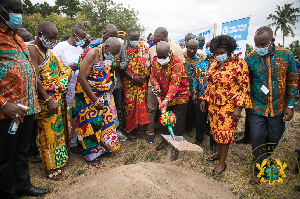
x=14 y=153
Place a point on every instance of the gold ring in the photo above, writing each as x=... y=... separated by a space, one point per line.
x=17 y=115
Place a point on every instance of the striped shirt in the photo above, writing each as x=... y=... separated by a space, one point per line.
x=18 y=82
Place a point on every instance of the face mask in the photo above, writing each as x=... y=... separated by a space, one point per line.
x=151 y=44
x=46 y=43
x=190 y=54
x=80 y=42
x=262 y=51
x=108 y=57
x=156 y=40
x=208 y=53
x=121 y=41
x=222 y=58
x=201 y=44
x=15 y=20
x=163 y=61
x=134 y=43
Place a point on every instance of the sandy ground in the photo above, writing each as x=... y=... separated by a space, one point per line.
x=138 y=171
x=147 y=180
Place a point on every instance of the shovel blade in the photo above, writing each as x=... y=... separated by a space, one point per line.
x=169 y=137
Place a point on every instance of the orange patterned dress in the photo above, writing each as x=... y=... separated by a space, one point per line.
x=226 y=89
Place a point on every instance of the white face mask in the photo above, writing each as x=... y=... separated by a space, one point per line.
x=121 y=41
x=163 y=61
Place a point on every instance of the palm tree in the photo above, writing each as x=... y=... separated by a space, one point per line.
x=284 y=16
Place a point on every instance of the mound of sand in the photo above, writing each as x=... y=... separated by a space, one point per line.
x=146 y=180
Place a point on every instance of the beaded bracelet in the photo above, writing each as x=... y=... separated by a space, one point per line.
x=47 y=100
x=3 y=104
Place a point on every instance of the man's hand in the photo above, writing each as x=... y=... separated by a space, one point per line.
x=164 y=104
x=100 y=106
x=237 y=113
x=74 y=66
x=52 y=107
x=202 y=106
x=137 y=80
x=117 y=60
x=14 y=111
x=194 y=98
x=288 y=114
x=157 y=90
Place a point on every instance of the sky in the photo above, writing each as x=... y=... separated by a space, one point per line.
x=181 y=17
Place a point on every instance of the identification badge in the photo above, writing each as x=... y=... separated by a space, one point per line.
x=264 y=89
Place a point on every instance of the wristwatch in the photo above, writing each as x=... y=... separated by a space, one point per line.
x=291 y=107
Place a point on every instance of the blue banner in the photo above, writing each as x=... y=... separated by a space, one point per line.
x=237 y=29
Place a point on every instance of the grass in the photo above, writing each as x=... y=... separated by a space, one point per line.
x=130 y=159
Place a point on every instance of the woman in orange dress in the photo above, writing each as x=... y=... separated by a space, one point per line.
x=227 y=93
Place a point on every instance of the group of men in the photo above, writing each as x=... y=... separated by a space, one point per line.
x=51 y=78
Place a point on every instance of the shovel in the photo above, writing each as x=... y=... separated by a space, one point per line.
x=168 y=119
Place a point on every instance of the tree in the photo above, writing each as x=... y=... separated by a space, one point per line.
x=68 y=7
x=44 y=8
x=103 y=12
x=295 y=47
x=28 y=8
x=64 y=25
x=249 y=49
x=284 y=16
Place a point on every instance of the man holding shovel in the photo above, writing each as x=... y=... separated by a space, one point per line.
x=170 y=81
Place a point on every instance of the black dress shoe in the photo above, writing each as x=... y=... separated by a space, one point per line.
x=198 y=142
x=76 y=150
x=190 y=133
x=243 y=141
x=254 y=180
x=161 y=146
x=34 y=191
x=35 y=159
x=174 y=154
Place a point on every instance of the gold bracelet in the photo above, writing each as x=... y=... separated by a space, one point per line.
x=47 y=100
x=3 y=104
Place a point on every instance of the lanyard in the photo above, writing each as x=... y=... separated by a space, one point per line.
x=267 y=68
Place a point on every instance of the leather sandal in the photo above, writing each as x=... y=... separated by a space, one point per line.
x=213 y=172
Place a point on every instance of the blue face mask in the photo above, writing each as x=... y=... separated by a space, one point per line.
x=108 y=57
x=151 y=44
x=80 y=42
x=201 y=44
x=222 y=58
x=134 y=43
x=15 y=20
x=262 y=51
x=208 y=53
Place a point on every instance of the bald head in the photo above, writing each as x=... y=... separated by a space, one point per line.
x=160 y=34
x=111 y=31
x=162 y=49
x=112 y=45
x=25 y=35
x=193 y=43
x=46 y=27
x=201 y=38
x=188 y=37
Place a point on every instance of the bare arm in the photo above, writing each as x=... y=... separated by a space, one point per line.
x=88 y=62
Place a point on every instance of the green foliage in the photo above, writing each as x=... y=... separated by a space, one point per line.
x=98 y=12
x=64 y=25
x=284 y=16
x=103 y=12
x=295 y=47
x=68 y=7
x=249 y=49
